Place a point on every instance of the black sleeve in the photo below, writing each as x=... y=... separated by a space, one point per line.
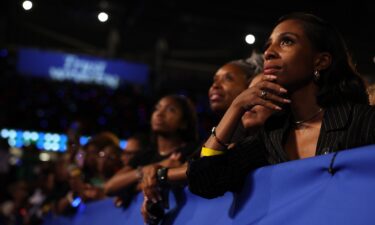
x=189 y=151
x=142 y=158
x=210 y=177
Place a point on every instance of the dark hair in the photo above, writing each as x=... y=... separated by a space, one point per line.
x=142 y=138
x=190 y=132
x=115 y=149
x=340 y=82
x=103 y=139
x=250 y=66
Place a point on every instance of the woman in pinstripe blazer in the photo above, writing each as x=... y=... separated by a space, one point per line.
x=320 y=101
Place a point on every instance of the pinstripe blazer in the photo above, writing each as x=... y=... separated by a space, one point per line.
x=344 y=126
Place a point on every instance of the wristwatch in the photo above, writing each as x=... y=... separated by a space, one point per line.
x=162 y=175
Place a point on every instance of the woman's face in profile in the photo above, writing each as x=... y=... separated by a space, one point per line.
x=167 y=116
x=290 y=55
x=229 y=81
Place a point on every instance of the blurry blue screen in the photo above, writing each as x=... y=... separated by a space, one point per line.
x=80 y=68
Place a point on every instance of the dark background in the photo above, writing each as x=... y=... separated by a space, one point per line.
x=183 y=42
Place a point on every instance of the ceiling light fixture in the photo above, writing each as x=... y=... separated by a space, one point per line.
x=27 y=5
x=250 y=39
x=103 y=17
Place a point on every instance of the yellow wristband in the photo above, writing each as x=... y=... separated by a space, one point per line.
x=210 y=152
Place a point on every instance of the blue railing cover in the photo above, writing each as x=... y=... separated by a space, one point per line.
x=300 y=192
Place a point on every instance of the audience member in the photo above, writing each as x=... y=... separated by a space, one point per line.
x=321 y=101
x=174 y=138
x=229 y=81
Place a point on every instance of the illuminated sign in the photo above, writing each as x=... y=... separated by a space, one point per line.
x=84 y=71
x=79 y=68
x=43 y=141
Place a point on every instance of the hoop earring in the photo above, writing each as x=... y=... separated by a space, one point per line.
x=316 y=75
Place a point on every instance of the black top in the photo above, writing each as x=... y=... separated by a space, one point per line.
x=344 y=126
x=151 y=155
x=148 y=156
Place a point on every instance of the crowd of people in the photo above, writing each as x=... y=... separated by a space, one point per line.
x=44 y=105
x=301 y=98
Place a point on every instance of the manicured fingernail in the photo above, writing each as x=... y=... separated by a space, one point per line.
x=287 y=100
x=271 y=76
x=278 y=108
x=283 y=90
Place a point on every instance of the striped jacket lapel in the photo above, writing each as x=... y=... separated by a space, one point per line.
x=334 y=121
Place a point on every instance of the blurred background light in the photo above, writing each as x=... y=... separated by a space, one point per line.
x=250 y=39
x=27 y=5
x=103 y=17
x=43 y=141
x=44 y=157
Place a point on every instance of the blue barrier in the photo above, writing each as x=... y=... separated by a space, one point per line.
x=293 y=193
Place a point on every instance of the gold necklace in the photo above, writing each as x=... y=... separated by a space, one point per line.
x=300 y=122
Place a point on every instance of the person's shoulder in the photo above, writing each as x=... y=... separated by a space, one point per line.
x=191 y=146
x=363 y=109
x=349 y=108
x=143 y=157
x=363 y=114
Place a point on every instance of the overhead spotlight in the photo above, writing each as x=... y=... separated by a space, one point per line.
x=103 y=17
x=27 y=5
x=250 y=39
